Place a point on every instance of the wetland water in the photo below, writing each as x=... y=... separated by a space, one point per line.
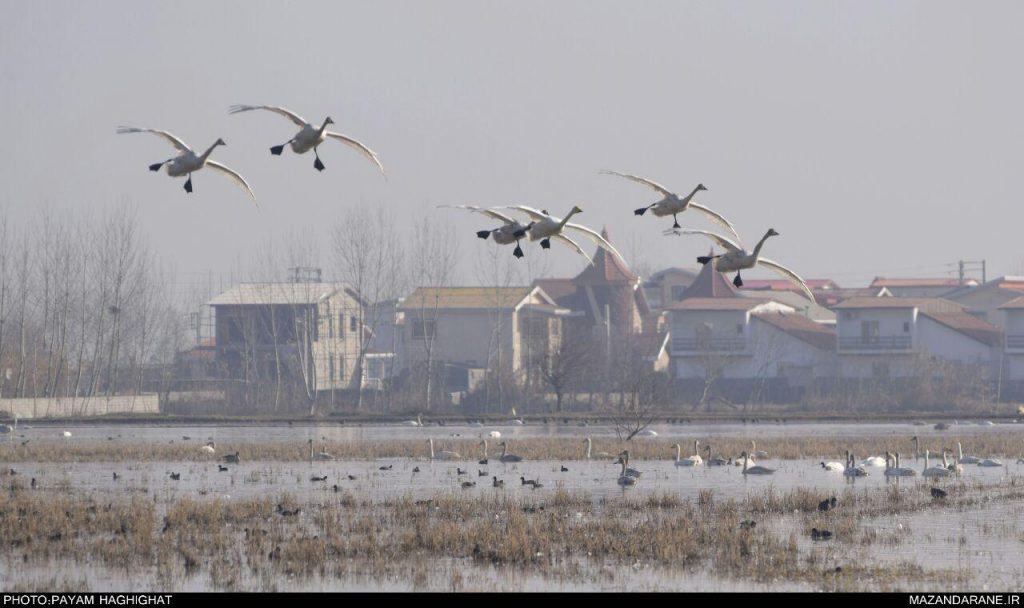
x=889 y=534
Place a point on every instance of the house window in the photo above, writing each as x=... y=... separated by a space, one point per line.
x=353 y=324
x=869 y=331
x=341 y=325
x=422 y=329
x=739 y=329
x=330 y=367
x=330 y=326
x=341 y=368
x=906 y=327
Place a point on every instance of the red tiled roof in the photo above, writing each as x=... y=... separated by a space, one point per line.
x=922 y=304
x=709 y=283
x=730 y=303
x=936 y=282
x=1014 y=285
x=968 y=325
x=606 y=269
x=787 y=285
x=465 y=297
x=802 y=328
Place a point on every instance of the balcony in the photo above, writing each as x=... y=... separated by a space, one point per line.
x=886 y=344
x=1015 y=343
x=708 y=345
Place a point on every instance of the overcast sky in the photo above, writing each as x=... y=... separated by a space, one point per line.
x=879 y=138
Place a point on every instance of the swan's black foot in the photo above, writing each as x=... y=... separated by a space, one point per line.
x=483 y=233
x=738 y=282
x=704 y=259
x=518 y=251
x=640 y=211
x=545 y=244
x=155 y=166
x=675 y=222
x=188 y=185
x=319 y=165
x=277 y=150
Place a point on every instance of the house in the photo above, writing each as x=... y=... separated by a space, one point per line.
x=832 y=297
x=921 y=288
x=479 y=328
x=667 y=286
x=1013 y=322
x=984 y=301
x=605 y=290
x=895 y=337
x=300 y=332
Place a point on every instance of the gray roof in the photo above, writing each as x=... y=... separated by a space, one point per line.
x=278 y=293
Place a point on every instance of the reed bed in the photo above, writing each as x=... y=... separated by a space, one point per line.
x=1001 y=444
x=236 y=543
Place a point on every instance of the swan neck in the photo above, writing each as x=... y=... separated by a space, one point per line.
x=565 y=220
x=208 y=151
x=757 y=248
x=320 y=131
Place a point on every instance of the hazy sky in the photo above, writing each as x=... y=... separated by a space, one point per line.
x=879 y=138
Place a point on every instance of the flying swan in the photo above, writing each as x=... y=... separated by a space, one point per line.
x=188 y=162
x=672 y=204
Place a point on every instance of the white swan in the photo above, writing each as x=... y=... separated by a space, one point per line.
x=965 y=459
x=188 y=162
x=737 y=258
x=689 y=461
x=66 y=434
x=509 y=232
x=874 y=461
x=890 y=466
x=756 y=470
x=321 y=456
x=599 y=454
x=546 y=227
x=672 y=204
x=443 y=454
x=310 y=137
x=416 y=422
x=955 y=467
x=754 y=452
x=209 y=448
x=647 y=433
x=936 y=471
x=990 y=462
x=505 y=456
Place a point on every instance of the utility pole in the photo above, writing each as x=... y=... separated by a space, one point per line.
x=976 y=264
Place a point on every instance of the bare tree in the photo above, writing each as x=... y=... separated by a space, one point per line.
x=432 y=263
x=369 y=256
x=568 y=363
x=639 y=388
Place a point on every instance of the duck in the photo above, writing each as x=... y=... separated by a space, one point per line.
x=827 y=504
x=188 y=162
x=737 y=259
x=498 y=483
x=817 y=534
x=310 y=137
x=468 y=484
x=939 y=493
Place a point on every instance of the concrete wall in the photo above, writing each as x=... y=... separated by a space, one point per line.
x=82 y=406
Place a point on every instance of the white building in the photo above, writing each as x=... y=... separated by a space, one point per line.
x=895 y=337
x=748 y=339
x=984 y=301
x=1013 y=322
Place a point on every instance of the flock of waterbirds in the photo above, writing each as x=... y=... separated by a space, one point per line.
x=538 y=225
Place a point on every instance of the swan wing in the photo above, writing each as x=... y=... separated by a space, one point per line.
x=715 y=217
x=174 y=141
x=292 y=116
x=571 y=243
x=531 y=212
x=488 y=212
x=642 y=180
x=598 y=240
x=235 y=177
x=789 y=274
x=721 y=240
x=362 y=149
